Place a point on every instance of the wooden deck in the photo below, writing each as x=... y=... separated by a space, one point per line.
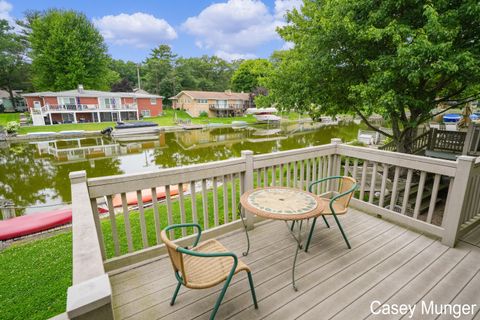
x=386 y=263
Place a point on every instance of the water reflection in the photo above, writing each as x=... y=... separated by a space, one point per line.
x=36 y=174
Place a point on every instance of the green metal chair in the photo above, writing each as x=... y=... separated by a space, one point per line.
x=204 y=265
x=337 y=203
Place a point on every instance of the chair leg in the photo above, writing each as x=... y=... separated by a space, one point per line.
x=252 y=289
x=293 y=225
x=172 y=302
x=311 y=234
x=341 y=230
x=326 y=222
x=220 y=298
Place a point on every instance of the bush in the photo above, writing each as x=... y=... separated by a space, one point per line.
x=357 y=143
x=204 y=114
x=12 y=127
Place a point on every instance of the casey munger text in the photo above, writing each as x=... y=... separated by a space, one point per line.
x=422 y=308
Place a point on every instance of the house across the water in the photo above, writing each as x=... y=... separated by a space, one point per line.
x=80 y=105
x=6 y=102
x=211 y=103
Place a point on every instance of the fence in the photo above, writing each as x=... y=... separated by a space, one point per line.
x=426 y=194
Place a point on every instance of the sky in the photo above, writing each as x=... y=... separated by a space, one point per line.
x=230 y=29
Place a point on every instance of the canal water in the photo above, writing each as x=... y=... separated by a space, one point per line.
x=34 y=175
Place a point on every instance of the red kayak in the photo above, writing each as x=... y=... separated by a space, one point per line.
x=36 y=222
x=146 y=196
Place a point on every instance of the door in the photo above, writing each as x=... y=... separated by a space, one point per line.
x=37 y=104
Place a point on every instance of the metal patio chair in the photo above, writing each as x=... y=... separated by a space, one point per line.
x=337 y=203
x=204 y=265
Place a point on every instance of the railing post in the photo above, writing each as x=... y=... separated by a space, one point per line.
x=248 y=184
x=456 y=200
x=336 y=168
x=90 y=296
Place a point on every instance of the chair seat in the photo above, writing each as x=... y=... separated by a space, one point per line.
x=338 y=207
x=208 y=272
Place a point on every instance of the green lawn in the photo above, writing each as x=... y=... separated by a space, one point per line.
x=35 y=276
x=166 y=120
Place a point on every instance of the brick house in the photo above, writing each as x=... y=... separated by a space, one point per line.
x=80 y=105
x=215 y=104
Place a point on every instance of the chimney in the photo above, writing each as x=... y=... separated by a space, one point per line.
x=228 y=92
x=80 y=88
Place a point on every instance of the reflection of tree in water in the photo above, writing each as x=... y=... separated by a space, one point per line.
x=94 y=168
x=24 y=179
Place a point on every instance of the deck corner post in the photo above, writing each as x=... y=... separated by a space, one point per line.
x=78 y=176
x=248 y=183
x=456 y=200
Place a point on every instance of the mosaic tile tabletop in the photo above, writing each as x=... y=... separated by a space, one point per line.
x=282 y=201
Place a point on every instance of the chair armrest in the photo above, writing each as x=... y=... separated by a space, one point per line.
x=187 y=225
x=322 y=180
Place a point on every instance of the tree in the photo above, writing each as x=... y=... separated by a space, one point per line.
x=14 y=70
x=249 y=74
x=158 y=69
x=397 y=58
x=122 y=86
x=67 y=50
x=125 y=69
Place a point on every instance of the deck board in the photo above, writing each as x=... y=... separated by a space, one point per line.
x=386 y=263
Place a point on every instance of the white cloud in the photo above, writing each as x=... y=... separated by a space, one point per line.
x=234 y=56
x=5 y=8
x=139 y=29
x=236 y=28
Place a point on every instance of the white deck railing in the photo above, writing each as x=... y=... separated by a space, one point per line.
x=429 y=195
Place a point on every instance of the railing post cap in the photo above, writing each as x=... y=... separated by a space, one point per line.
x=78 y=176
x=247 y=153
x=336 y=140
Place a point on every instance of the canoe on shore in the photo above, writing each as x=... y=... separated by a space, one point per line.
x=35 y=222
x=132 y=198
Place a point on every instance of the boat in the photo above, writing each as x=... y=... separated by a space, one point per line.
x=132 y=198
x=134 y=128
x=36 y=222
x=215 y=125
x=41 y=134
x=452 y=117
x=264 y=115
x=239 y=123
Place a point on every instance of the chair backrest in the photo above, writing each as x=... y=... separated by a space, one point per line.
x=175 y=257
x=345 y=184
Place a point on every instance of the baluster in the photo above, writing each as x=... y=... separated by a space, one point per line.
x=406 y=193
x=205 y=204
x=96 y=219
x=143 y=225
x=320 y=173
x=215 y=201
x=156 y=216
x=259 y=178
x=373 y=181
x=307 y=184
x=418 y=200
x=433 y=198
x=288 y=165
x=126 y=217
x=265 y=177
x=384 y=185
x=329 y=171
x=274 y=176
x=393 y=200
x=194 y=202
x=225 y=199
x=302 y=174
x=346 y=168
x=169 y=210
x=325 y=174
x=281 y=175
x=181 y=204
x=295 y=185
x=314 y=171
x=364 y=179
x=113 y=222
x=234 y=197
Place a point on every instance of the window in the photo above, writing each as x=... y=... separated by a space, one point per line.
x=66 y=100
x=146 y=113
x=153 y=101
x=110 y=103
x=202 y=101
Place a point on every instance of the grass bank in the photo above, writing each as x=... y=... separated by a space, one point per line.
x=35 y=276
x=168 y=119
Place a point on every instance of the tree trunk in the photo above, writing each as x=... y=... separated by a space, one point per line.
x=12 y=98
x=405 y=140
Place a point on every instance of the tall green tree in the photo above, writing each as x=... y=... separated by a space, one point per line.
x=67 y=50
x=127 y=71
x=397 y=58
x=249 y=74
x=14 y=69
x=158 y=68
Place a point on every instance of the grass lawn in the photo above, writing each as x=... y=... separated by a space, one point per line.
x=166 y=120
x=35 y=276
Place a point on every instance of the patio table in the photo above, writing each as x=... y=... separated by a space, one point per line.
x=283 y=203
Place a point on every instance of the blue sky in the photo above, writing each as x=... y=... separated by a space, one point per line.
x=230 y=28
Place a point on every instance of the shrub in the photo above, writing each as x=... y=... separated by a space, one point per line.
x=12 y=127
x=204 y=114
x=357 y=143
